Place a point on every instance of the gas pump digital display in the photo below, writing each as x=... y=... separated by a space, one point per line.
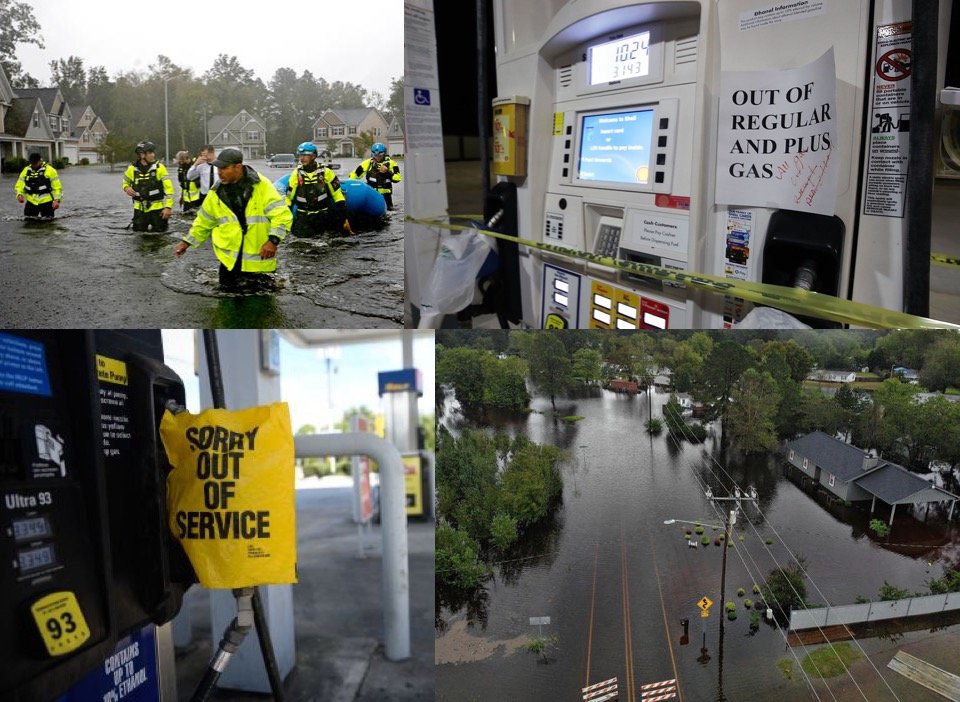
x=31 y=528
x=615 y=147
x=628 y=57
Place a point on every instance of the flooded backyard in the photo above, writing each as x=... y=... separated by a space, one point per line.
x=616 y=581
x=87 y=269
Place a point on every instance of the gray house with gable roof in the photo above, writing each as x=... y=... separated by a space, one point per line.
x=854 y=475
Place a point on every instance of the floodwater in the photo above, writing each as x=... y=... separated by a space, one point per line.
x=86 y=269
x=616 y=581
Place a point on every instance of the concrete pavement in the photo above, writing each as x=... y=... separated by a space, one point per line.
x=337 y=611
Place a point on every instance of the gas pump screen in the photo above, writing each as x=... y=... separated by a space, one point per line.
x=620 y=59
x=615 y=147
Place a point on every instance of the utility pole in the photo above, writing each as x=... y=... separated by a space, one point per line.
x=731 y=519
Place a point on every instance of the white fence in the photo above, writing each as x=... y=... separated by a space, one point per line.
x=873 y=611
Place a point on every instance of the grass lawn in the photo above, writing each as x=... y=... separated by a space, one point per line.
x=830 y=661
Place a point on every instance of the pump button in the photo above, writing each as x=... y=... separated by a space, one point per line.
x=664 y=122
x=566 y=172
x=61 y=623
x=569 y=129
x=661 y=159
x=661 y=141
x=658 y=177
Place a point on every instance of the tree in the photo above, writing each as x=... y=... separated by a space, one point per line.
x=818 y=412
x=116 y=148
x=753 y=408
x=899 y=428
x=312 y=465
x=462 y=368
x=587 y=365
x=722 y=369
x=71 y=77
x=504 y=382
x=395 y=103
x=456 y=559
x=19 y=26
x=786 y=588
x=549 y=365
x=941 y=365
x=362 y=142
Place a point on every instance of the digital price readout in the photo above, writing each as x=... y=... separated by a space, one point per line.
x=38 y=558
x=620 y=59
x=31 y=528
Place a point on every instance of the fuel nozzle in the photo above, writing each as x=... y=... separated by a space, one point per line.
x=806 y=275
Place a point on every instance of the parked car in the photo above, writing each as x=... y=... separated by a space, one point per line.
x=282 y=161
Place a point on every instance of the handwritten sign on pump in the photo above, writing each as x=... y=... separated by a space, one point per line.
x=777 y=138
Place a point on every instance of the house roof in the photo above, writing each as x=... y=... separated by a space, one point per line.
x=20 y=115
x=217 y=123
x=349 y=116
x=895 y=484
x=47 y=97
x=841 y=459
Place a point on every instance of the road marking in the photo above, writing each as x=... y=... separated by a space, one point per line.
x=663 y=611
x=593 y=596
x=627 y=625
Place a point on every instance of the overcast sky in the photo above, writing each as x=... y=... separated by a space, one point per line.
x=354 y=42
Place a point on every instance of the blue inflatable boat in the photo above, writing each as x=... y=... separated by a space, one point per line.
x=361 y=198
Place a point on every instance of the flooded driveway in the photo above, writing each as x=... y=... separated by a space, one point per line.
x=616 y=581
x=87 y=269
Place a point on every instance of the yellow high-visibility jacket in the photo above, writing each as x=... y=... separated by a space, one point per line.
x=266 y=213
x=153 y=185
x=369 y=171
x=39 y=185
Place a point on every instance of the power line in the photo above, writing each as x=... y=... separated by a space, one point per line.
x=807 y=575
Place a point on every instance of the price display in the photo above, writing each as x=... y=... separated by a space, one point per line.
x=620 y=59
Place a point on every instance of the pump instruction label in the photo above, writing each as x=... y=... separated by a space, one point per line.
x=231 y=495
x=23 y=366
x=888 y=161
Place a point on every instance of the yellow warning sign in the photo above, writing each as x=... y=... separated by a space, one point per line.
x=704 y=613
x=111 y=370
x=705 y=603
x=230 y=494
x=61 y=623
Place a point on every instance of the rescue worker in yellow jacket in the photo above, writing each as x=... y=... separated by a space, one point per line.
x=379 y=172
x=247 y=218
x=315 y=190
x=148 y=183
x=38 y=189
x=189 y=189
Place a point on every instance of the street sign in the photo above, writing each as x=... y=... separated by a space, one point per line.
x=704 y=613
x=705 y=603
x=535 y=621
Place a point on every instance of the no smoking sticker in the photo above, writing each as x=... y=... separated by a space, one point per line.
x=894 y=65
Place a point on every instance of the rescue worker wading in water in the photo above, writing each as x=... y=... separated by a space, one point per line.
x=148 y=183
x=247 y=218
x=39 y=188
x=379 y=172
x=315 y=190
x=189 y=189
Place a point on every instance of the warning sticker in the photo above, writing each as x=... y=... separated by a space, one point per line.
x=889 y=145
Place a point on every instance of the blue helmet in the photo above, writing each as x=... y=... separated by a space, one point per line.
x=307 y=148
x=378 y=149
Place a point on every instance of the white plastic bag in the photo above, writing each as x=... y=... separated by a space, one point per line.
x=453 y=280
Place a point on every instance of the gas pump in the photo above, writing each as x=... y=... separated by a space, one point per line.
x=625 y=124
x=86 y=553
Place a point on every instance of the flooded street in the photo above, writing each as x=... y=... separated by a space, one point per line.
x=616 y=581
x=87 y=269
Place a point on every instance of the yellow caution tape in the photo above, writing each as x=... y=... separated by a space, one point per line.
x=793 y=300
x=945 y=260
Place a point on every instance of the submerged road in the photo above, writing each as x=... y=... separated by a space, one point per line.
x=87 y=269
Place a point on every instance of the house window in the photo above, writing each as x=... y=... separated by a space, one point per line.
x=224 y=137
x=243 y=118
x=376 y=131
x=833 y=479
x=804 y=463
x=53 y=123
x=36 y=119
x=253 y=136
x=98 y=138
x=337 y=131
x=351 y=130
x=321 y=132
x=791 y=454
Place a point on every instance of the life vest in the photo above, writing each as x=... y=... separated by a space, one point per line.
x=381 y=182
x=190 y=188
x=311 y=194
x=36 y=182
x=147 y=183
